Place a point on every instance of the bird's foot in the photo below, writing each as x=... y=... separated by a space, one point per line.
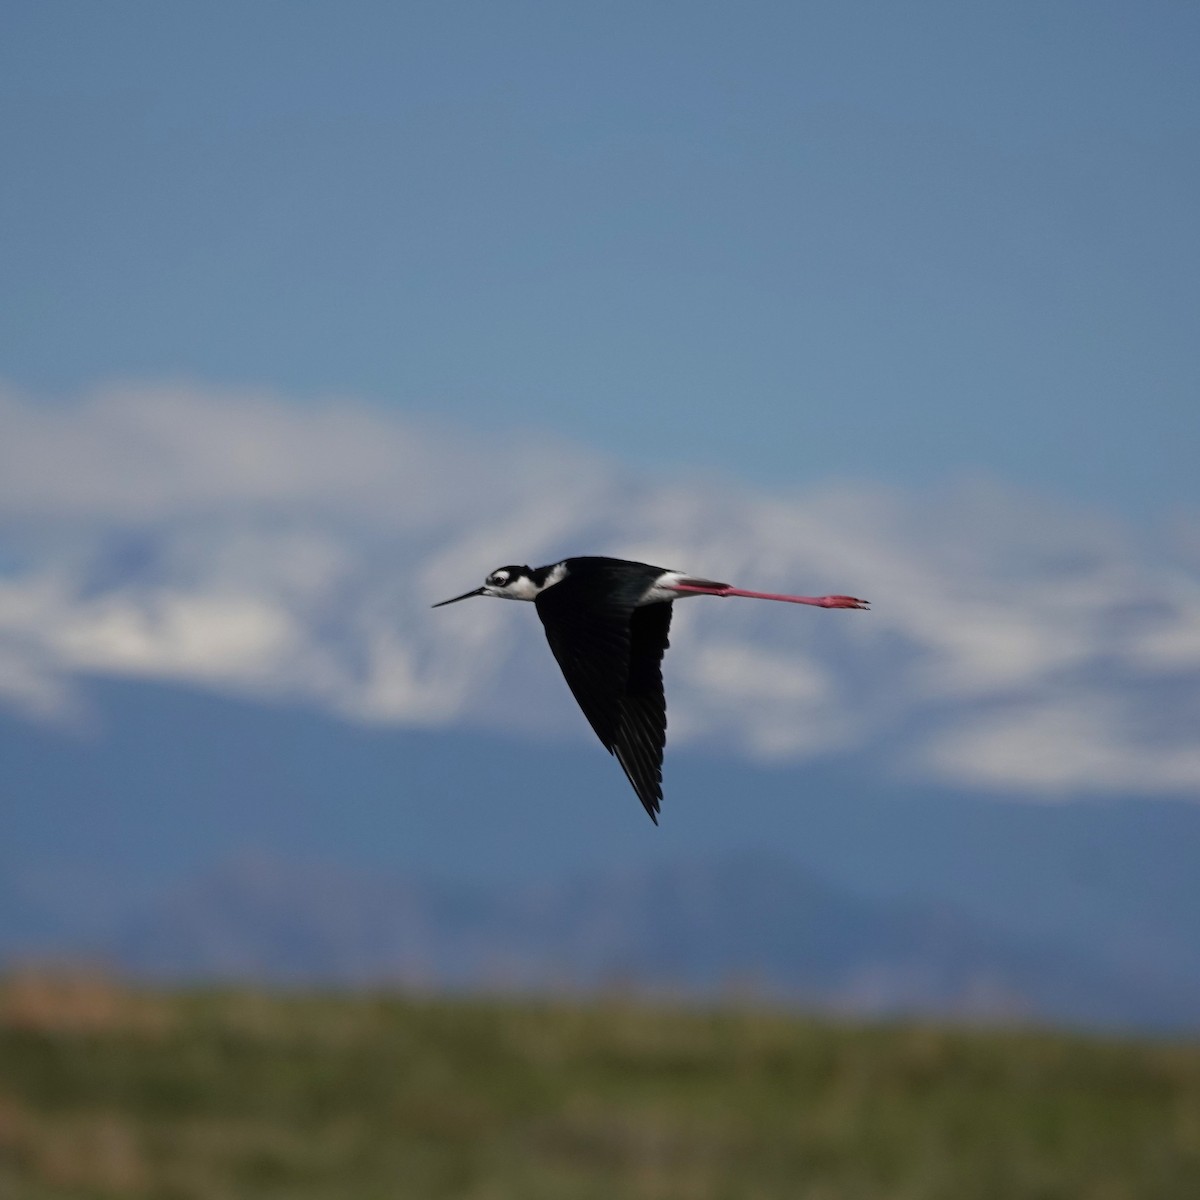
x=843 y=602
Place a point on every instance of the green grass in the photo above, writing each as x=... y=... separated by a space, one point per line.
x=113 y=1093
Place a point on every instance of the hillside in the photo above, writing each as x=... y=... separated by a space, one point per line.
x=693 y=929
x=186 y=835
x=189 y=1095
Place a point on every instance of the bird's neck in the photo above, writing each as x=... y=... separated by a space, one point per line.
x=537 y=581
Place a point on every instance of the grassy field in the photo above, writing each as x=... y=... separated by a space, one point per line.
x=106 y=1092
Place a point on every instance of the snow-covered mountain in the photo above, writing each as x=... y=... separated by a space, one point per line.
x=289 y=552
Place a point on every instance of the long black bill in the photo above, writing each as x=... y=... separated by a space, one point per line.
x=464 y=596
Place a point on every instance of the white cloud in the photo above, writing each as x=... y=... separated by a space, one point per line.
x=239 y=541
x=176 y=634
x=1058 y=748
x=1169 y=642
x=145 y=453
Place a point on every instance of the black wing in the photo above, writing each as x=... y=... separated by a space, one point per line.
x=643 y=729
x=610 y=654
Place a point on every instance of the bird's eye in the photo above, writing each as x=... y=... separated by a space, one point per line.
x=499 y=579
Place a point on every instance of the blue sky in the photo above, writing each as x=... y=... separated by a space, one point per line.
x=783 y=242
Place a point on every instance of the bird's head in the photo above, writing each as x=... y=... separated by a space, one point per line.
x=505 y=583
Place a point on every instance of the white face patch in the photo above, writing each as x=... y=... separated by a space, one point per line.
x=521 y=588
x=508 y=585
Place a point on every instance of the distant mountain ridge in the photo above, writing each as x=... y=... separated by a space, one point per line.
x=171 y=836
x=747 y=925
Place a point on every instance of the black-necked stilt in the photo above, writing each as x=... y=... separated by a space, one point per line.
x=606 y=621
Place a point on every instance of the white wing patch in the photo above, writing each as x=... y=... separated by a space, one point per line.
x=662 y=589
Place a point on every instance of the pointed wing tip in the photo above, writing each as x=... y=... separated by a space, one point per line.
x=646 y=791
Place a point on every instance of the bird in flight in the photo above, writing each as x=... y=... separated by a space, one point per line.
x=607 y=620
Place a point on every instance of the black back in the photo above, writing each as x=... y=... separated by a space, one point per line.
x=610 y=652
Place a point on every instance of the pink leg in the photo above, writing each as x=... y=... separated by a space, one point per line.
x=819 y=601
